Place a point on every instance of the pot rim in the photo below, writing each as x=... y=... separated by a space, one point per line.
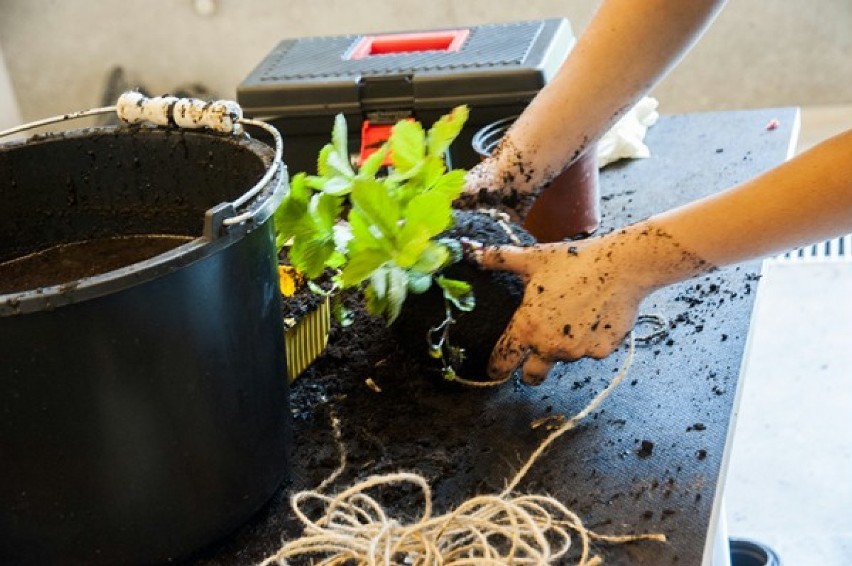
x=217 y=235
x=486 y=138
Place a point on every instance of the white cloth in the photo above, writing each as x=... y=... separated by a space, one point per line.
x=626 y=139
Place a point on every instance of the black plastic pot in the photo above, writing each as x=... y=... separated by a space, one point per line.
x=144 y=411
x=746 y=552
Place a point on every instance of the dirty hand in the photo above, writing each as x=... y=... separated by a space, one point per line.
x=488 y=185
x=579 y=300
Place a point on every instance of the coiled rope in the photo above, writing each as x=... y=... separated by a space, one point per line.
x=503 y=529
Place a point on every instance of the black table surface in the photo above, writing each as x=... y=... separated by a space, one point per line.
x=653 y=457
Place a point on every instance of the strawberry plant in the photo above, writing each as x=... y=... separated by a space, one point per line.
x=379 y=228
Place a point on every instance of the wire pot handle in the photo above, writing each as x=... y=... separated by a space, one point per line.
x=225 y=116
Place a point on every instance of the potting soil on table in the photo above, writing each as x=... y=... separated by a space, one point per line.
x=649 y=460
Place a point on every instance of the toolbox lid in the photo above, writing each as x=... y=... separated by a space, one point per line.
x=483 y=65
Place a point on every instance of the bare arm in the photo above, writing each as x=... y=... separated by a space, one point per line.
x=626 y=48
x=587 y=293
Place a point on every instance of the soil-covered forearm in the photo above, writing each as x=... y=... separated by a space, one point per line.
x=805 y=200
x=627 y=47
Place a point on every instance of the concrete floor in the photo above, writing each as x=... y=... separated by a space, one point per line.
x=791 y=464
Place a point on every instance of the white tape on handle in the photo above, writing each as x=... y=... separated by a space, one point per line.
x=221 y=115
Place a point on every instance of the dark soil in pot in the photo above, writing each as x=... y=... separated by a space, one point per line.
x=498 y=295
x=69 y=262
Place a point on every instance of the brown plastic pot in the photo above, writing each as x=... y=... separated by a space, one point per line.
x=569 y=206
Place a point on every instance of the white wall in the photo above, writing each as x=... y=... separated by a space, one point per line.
x=9 y=114
x=58 y=52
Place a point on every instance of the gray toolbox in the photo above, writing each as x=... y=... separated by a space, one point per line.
x=375 y=80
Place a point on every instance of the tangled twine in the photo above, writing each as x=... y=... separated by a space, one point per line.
x=504 y=529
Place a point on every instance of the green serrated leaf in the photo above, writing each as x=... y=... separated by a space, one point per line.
x=290 y=214
x=397 y=291
x=411 y=250
x=418 y=282
x=379 y=282
x=309 y=256
x=370 y=199
x=445 y=130
x=337 y=186
x=430 y=172
x=454 y=248
x=298 y=187
x=407 y=144
x=287 y=218
x=323 y=167
x=460 y=293
x=325 y=209
x=363 y=236
x=336 y=260
x=339 y=159
x=341 y=165
x=362 y=265
x=433 y=258
x=375 y=304
x=430 y=212
x=372 y=164
x=450 y=184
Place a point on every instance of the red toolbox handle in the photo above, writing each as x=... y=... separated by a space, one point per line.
x=388 y=44
x=372 y=138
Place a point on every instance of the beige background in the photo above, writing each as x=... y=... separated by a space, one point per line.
x=58 y=52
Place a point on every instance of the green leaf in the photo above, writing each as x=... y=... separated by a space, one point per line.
x=418 y=282
x=298 y=187
x=375 y=304
x=290 y=214
x=372 y=164
x=450 y=184
x=331 y=165
x=431 y=212
x=407 y=143
x=341 y=165
x=339 y=159
x=430 y=172
x=411 y=250
x=386 y=291
x=362 y=265
x=454 y=248
x=309 y=256
x=445 y=130
x=337 y=186
x=379 y=283
x=363 y=236
x=397 y=291
x=433 y=258
x=336 y=260
x=457 y=292
x=371 y=200
x=427 y=216
x=323 y=168
x=325 y=209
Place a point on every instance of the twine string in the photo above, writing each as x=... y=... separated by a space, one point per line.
x=503 y=529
